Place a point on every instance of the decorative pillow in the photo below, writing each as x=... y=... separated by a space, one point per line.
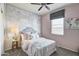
x=31 y=33
x=29 y=37
x=35 y=36
x=25 y=36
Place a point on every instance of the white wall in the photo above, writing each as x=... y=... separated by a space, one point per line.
x=22 y=19
x=1 y=30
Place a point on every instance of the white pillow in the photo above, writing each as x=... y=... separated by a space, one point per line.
x=26 y=36
x=35 y=36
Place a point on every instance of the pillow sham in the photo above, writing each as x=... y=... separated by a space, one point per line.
x=26 y=36
x=35 y=36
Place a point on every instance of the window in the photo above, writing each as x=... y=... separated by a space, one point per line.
x=57 y=22
x=57 y=26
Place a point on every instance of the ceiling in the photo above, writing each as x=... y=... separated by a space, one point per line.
x=34 y=8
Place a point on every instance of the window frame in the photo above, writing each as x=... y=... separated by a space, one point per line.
x=57 y=15
x=58 y=26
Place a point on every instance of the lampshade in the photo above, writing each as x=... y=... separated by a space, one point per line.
x=13 y=28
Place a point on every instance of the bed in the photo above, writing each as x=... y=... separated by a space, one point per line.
x=34 y=45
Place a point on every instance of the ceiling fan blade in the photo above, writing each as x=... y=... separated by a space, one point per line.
x=47 y=7
x=40 y=8
x=49 y=3
x=36 y=3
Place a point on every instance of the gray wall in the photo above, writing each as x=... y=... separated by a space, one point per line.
x=70 y=39
x=22 y=18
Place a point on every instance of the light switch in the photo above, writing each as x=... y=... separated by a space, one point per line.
x=1 y=10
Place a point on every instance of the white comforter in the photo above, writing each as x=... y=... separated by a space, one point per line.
x=39 y=47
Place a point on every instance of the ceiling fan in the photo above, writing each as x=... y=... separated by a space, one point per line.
x=42 y=5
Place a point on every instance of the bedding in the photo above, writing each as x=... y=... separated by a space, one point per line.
x=40 y=47
x=37 y=46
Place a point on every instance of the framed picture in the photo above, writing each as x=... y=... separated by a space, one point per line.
x=72 y=23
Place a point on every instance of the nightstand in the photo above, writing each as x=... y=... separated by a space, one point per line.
x=14 y=44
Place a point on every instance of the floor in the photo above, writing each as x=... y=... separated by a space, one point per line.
x=59 y=52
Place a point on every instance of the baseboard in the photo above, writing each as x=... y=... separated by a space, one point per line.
x=68 y=49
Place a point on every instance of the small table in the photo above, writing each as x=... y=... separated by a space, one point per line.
x=14 y=44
